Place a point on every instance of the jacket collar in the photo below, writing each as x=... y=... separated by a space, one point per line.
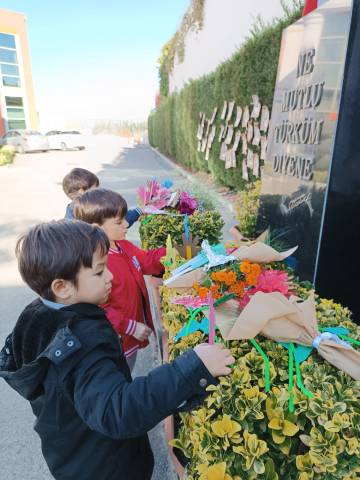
x=85 y=309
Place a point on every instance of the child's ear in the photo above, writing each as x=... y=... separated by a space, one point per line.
x=62 y=289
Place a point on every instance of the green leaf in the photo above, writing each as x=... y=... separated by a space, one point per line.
x=259 y=467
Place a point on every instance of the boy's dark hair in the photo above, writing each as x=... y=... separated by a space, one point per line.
x=79 y=178
x=57 y=249
x=97 y=205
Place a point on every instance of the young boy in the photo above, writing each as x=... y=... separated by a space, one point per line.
x=77 y=182
x=128 y=307
x=65 y=358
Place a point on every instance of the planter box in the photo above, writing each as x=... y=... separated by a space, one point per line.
x=155 y=284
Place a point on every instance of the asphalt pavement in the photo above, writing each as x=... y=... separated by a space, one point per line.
x=30 y=192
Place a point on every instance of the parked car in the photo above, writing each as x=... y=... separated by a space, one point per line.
x=59 y=140
x=25 y=141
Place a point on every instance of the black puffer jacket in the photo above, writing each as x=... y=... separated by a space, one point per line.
x=91 y=417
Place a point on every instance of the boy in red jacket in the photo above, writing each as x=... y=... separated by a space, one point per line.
x=128 y=306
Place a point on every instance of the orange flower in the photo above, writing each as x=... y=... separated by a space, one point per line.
x=251 y=279
x=196 y=286
x=245 y=266
x=238 y=289
x=214 y=276
x=221 y=276
x=255 y=269
x=203 y=292
x=214 y=289
x=230 y=278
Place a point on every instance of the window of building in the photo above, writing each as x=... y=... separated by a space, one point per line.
x=7 y=40
x=9 y=69
x=16 y=124
x=17 y=113
x=11 y=81
x=14 y=101
x=8 y=56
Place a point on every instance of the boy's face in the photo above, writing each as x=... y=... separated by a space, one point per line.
x=115 y=228
x=93 y=284
x=80 y=192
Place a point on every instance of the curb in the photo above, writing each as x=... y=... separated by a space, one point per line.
x=192 y=179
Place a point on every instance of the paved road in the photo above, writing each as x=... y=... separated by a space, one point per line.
x=30 y=192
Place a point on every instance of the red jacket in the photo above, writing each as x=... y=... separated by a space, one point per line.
x=129 y=300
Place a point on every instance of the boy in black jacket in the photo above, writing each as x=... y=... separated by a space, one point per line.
x=65 y=358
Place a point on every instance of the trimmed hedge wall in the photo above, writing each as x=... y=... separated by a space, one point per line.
x=251 y=70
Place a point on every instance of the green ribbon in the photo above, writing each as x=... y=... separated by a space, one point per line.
x=349 y=339
x=291 y=381
x=148 y=219
x=296 y=355
x=223 y=299
x=266 y=363
x=193 y=314
x=299 y=381
x=292 y=360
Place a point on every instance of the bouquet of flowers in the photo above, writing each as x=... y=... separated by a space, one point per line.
x=176 y=212
x=160 y=196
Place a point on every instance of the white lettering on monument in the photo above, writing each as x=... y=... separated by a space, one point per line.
x=307 y=131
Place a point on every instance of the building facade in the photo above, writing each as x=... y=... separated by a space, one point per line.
x=17 y=102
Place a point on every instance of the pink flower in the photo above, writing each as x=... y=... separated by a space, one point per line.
x=273 y=281
x=268 y=281
x=154 y=195
x=189 y=301
x=187 y=204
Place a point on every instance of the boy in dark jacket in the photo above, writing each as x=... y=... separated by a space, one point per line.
x=65 y=358
x=77 y=182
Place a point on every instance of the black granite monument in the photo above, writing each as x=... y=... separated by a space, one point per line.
x=311 y=178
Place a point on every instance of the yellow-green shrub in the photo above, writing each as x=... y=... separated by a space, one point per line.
x=7 y=154
x=243 y=433
x=247 y=207
x=205 y=225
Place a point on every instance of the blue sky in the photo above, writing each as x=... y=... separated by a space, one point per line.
x=96 y=59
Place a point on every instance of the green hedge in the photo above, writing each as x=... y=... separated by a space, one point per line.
x=7 y=154
x=251 y=70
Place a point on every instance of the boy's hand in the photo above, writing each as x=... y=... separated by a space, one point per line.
x=142 y=332
x=216 y=358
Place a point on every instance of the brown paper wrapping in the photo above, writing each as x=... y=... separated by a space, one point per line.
x=274 y=316
x=261 y=253
x=187 y=280
x=241 y=240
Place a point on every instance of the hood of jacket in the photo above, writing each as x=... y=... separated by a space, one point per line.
x=41 y=335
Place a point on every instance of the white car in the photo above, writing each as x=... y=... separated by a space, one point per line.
x=59 y=140
x=25 y=141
